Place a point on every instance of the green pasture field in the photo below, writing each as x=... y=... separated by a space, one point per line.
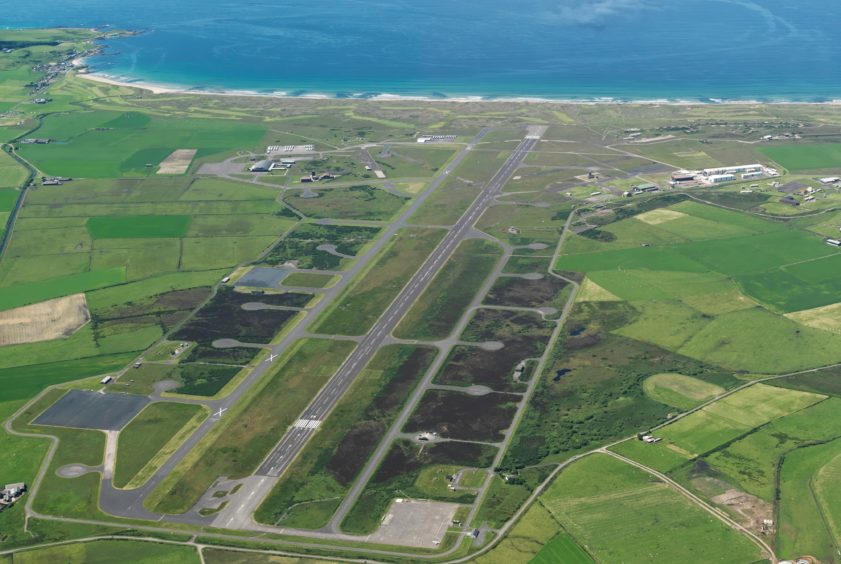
x=562 y=548
x=250 y=433
x=752 y=462
x=450 y=292
x=110 y=551
x=677 y=390
x=220 y=252
x=102 y=144
x=650 y=455
x=311 y=490
x=23 y=294
x=21 y=461
x=215 y=189
x=825 y=487
x=360 y=202
x=252 y=225
x=697 y=297
x=530 y=535
x=524 y=540
x=23 y=382
x=618 y=512
x=99 y=300
x=804 y=525
x=138 y=226
x=12 y=175
x=357 y=310
x=805 y=156
x=732 y=416
x=146 y=434
x=783 y=346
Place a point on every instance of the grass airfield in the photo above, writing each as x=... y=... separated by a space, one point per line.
x=698 y=302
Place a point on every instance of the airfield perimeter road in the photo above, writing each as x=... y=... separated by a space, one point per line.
x=129 y=503
x=297 y=436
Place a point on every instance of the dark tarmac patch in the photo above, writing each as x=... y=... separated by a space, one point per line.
x=91 y=410
x=263 y=277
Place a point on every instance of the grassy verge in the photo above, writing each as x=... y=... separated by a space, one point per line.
x=147 y=434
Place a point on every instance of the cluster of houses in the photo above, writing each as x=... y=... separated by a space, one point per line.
x=36 y=141
x=10 y=494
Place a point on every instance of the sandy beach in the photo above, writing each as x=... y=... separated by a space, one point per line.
x=173 y=89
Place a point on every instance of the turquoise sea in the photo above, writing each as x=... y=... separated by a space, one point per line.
x=621 y=49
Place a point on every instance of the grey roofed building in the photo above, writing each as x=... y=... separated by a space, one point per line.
x=262 y=166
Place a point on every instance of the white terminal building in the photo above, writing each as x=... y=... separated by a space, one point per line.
x=730 y=173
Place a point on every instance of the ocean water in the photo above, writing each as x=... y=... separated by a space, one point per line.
x=582 y=49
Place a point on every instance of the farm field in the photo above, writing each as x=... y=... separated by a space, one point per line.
x=111 y=550
x=805 y=157
x=732 y=416
x=620 y=517
x=700 y=276
x=680 y=391
x=103 y=144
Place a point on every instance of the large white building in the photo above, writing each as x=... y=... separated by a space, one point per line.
x=740 y=169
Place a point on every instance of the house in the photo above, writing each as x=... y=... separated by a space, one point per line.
x=11 y=493
x=106 y=380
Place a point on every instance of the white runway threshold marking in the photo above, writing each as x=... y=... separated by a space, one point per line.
x=307 y=423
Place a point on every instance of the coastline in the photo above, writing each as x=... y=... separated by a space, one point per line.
x=158 y=89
